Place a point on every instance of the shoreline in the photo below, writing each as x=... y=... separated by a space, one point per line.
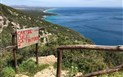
x=47 y=12
x=92 y=26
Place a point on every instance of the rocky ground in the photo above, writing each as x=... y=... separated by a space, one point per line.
x=48 y=72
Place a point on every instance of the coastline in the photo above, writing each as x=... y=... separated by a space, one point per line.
x=93 y=23
x=47 y=11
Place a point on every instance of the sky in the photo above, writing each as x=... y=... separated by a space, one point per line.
x=66 y=3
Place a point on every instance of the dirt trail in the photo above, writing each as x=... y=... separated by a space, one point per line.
x=48 y=72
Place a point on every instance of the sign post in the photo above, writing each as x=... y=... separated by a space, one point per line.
x=23 y=38
x=36 y=53
x=14 y=52
x=27 y=37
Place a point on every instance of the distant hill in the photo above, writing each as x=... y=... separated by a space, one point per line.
x=34 y=11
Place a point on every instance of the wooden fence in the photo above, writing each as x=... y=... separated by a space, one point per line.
x=90 y=47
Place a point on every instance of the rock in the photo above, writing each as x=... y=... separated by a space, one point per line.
x=4 y=22
x=21 y=75
x=50 y=72
x=50 y=60
x=78 y=74
x=15 y=25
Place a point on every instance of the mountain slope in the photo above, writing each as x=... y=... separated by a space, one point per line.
x=19 y=20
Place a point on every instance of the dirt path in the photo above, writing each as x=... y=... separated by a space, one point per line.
x=48 y=72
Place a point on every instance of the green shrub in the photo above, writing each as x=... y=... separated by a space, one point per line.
x=27 y=66
x=115 y=74
x=72 y=71
x=7 y=72
x=41 y=67
x=30 y=67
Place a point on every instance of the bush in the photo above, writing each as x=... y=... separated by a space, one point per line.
x=27 y=66
x=30 y=67
x=7 y=72
x=115 y=74
x=72 y=71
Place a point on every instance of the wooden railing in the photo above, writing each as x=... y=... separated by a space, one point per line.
x=90 y=47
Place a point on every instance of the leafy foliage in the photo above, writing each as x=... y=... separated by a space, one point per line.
x=7 y=72
x=30 y=67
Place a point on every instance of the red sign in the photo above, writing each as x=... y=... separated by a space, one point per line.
x=27 y=37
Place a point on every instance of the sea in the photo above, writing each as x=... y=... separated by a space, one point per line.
x=103 y=26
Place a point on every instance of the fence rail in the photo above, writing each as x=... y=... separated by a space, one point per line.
x=117 y=68
x=93 y=47
x=90 y=47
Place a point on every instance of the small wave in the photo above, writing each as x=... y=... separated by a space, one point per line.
x=108 y=31
x=49 y=10
x=117 y=18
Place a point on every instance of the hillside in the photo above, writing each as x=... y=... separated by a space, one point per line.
x=85 y=60
x=17 y=19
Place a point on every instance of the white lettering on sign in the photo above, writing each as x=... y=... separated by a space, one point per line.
x=27 y=37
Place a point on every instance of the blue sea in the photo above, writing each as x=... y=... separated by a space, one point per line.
x=104 y=26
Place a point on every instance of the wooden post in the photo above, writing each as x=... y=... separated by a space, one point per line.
x=36 y=52
x=59 y=61
x=14 y=53
x=36 y=48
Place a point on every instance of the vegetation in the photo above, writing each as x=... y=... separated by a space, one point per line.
x=7 y=72
x=30 y=68
x=37 y=13
x=116 y=74
x=72 y=71
x=85 y=60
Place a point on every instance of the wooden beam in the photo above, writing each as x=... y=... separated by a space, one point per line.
x=59 y=63
x=117 y=68
x=11 y=47
x=93 y=47
x=36 y=53
x=14 y=53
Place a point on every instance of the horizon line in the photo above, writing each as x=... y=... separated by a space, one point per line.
x=63 y=6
